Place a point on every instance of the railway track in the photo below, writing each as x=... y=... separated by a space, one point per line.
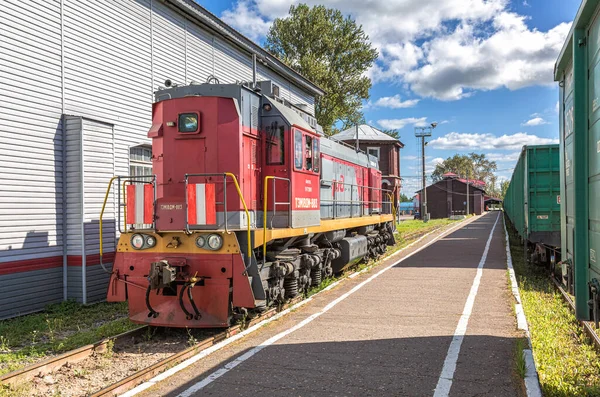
x=128 y=341
x=587 y=325
x=51 y=364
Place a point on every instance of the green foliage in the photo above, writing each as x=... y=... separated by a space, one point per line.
x=333 y=52
x=404 y=198
x=504 y=188
x=471 y=166
x=520 y=363
x=393 y=133
x=566 y=361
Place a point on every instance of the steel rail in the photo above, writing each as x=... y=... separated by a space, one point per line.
x=587 y=325
x=51 y=364
x=147 y=373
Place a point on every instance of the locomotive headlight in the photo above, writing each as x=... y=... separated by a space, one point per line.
x=150 y=241
x=214 y=242
x=137 y=241
x=200 y=242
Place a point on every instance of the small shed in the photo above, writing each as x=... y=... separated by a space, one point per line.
x=448 y=197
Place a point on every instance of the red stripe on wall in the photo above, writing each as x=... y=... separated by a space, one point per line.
x=90 y=260
x=29 y=265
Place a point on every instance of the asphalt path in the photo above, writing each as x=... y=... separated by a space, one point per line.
x=436 y=321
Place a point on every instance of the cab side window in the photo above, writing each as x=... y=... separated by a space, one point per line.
x=316 y=155
x=308 y=153
x=298 y=155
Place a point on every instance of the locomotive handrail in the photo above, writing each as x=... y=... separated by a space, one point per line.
x=128 y=178
x=239 y=192
x=335 y=201
x=275 y=203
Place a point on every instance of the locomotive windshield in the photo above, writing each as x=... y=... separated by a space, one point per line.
x=188 y=122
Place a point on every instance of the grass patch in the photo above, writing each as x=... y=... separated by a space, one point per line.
x=566 y=361
x=520 y=364
x=61 y=327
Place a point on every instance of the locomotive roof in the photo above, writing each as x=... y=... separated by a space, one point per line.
x=206 y=18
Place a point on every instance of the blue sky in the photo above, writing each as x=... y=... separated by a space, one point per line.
x=482 y=69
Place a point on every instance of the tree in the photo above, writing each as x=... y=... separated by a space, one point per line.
x=404 y=198
x=393 y=133
x=332 y=51
x=472 y=166
x=503 y=188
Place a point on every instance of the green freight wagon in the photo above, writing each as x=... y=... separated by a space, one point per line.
x=532 y=201
x=577 y=71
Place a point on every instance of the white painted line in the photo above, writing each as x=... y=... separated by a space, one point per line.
x=220 y=345
x=532 y=382
x=232 y=364
x=445 y=380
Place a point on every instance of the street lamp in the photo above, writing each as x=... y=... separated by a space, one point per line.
x=422 y=132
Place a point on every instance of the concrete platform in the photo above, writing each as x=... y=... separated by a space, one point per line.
x=404 y=331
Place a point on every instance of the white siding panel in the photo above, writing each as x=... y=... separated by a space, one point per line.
x=73 y=127
x=231 y=65
x=30 y=131
x=169 y=51
x=200 y=54
x=98 y=166
x=34 y=290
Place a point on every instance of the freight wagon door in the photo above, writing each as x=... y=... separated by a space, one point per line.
x=567 y=158
x=594 y=148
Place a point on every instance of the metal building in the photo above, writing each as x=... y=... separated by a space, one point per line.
x=77 y=82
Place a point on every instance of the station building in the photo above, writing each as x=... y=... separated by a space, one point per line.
x=77 y=82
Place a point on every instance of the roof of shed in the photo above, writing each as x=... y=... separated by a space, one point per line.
x=205 y=17
x=365 y=133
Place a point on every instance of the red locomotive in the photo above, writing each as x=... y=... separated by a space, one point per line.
x=249 y=205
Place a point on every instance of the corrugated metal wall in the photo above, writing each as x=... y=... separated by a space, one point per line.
x=99 y=62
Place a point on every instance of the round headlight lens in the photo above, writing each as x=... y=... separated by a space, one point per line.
x=150 y=241
x=137 y=241
x=200 y=241
x=215 y=241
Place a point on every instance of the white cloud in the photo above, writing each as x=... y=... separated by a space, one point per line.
x=445 y=49
x=396 y=124
x=408 y=158
x=246 y=17
x=468 y=142
x=395 y=102
x=534 y=121
x=503 y=157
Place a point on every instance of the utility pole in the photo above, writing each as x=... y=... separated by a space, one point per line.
x=422 y=132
